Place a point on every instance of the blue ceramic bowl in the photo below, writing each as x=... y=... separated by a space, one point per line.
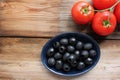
x=82 y=37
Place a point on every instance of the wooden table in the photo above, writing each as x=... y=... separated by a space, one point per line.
x=26 y=25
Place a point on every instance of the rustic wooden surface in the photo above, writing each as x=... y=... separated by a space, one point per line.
x=40 y=18
x=21 y=20
x=23 y=17
x=20 y=60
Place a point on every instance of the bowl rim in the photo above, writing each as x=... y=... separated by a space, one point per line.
x=76 y=74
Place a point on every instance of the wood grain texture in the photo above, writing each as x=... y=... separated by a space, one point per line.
x=41 y=18
x=20 y=60
x=29 y=18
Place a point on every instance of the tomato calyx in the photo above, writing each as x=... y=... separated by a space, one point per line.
x=106 y=23
x=85 y=10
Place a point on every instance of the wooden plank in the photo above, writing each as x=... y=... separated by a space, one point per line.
x=41 y=18
x=20 y=60
x=29 y=18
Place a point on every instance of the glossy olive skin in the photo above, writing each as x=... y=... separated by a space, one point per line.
x=58 y=55
x=72 y=41
x=88 y=61
x=92 y=53
x=84 y=54
x=51 y=61
x=81 y=65
x=77 y=54
x=50 y=52
x=71 y=58
x=70 y=49
x=66 y=56
x=88 y=46
x=56 y=44
x=59 y=64
x=79 y=45
x=66 y=67
x=74 y=64
x=64 y=41
x=62 y=49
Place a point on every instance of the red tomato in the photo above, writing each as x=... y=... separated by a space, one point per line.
x=104 y=23
x=82 y=12
x=103 y=4
x=117 y=12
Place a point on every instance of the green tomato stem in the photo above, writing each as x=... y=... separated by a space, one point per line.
x=107 y=23
x=85 y=10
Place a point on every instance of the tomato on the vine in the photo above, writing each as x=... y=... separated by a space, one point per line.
x=82 y=12
x=103 y=4
x=104 y=23
x=117 y=12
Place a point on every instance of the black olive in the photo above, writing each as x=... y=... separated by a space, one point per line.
x=71 y=58
x=70 y=49
x=64 y=41
x=88 y=46
x=51 y=61
x=72 y=41
x=92 y=53
x=50 y=52
x=79 y=45
x=66 y=67
x=81 y=65
x=84 y=54
x=57 y=55
x=56 y=44
x=66 y=56
x=74 y=63
x=77 y=54
x=61 y=49
x=59 y=64
x=88 y=61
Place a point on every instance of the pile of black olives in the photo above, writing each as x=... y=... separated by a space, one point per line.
x=67 y=54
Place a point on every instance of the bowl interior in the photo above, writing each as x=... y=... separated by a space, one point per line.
x=82 y=37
